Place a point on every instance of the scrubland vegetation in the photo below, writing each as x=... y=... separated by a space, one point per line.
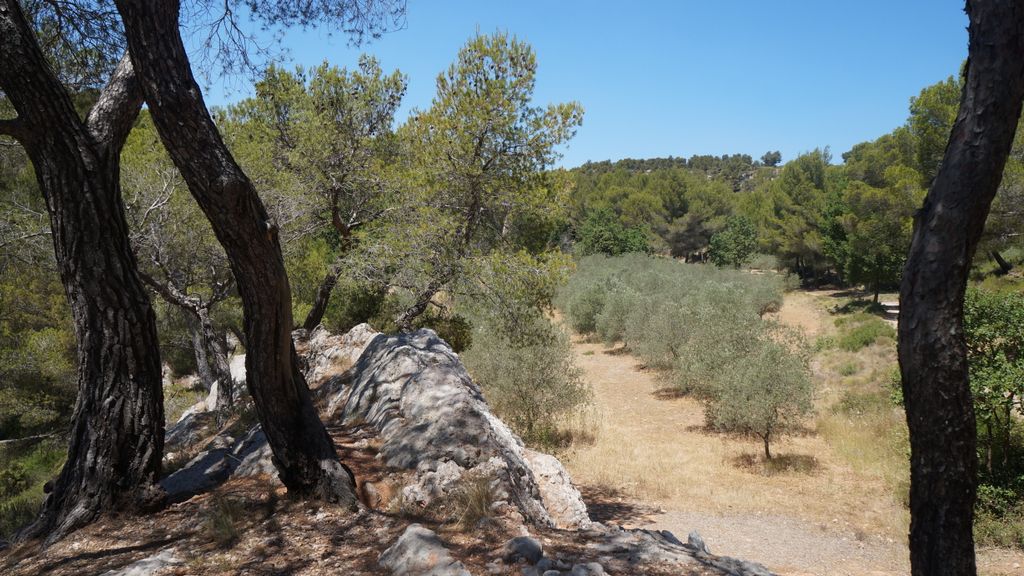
x=704 y=326
x=455 y=219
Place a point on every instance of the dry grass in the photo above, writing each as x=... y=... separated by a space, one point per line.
x=657 y=450
x=655 y=447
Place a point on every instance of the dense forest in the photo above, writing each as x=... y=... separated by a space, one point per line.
x=312 y=203
x=845 y=223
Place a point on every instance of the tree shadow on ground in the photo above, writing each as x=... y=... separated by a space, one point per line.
x=109 y=558
x=611 y=506
x=617 y=351
x=778 y=465
x=668 y=393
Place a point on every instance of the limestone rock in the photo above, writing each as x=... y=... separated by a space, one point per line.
x=419 y=552
x=562 y=500
x=165 y=559
x=328 y=355
x=414 y=390
x=525 y=548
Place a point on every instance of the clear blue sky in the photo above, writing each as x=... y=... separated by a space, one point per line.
x=687 y=77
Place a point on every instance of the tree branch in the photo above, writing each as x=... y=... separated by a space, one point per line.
x=12 y=127
x=112 y=116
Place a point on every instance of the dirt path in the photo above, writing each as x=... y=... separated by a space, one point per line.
x=653 y=465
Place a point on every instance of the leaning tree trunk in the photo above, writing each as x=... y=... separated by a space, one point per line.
x=117 y=428
x=303 y=451
x=932 y=350
x=323 y=296
x=1004 y=266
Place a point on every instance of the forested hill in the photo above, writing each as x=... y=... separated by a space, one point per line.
x=845 y=220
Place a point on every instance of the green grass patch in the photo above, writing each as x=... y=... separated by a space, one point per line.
x=24 y=469
x=858 y=331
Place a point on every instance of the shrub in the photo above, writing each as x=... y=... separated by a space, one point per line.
x=472 y=502
x=13 y=480
x=859 y=331
x=734 y=244
x=849 y=368
x=535 y=387
x=584 y=306
x=763 y=393
x=351 y=303
x=27 y=467
x=703 y=326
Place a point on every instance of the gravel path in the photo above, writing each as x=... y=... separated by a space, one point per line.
x=789 y=546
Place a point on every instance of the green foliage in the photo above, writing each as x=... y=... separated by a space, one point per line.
x=858 y=331
x=932 y=113
x=533 y=386
x=37 y=352
x=764 y=393
x=703 y=326
x=603 y=233
x=734 y=244
x=772 y=158
x=994 y=330
x=24 y=468
x=878 y=225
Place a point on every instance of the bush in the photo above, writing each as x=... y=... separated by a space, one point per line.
x=734 y=244
x=763 y=393
x=535 y=387
x=27 y=466
x=859 y=331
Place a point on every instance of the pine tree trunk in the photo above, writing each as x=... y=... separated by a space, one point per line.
x=1004 y=266
x=303 y=451
x=211 y=357
x=117 y=427
x=217 y=360
x=323 y=297
x=932 y=350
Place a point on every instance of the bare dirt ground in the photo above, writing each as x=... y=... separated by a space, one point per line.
x=652 y=464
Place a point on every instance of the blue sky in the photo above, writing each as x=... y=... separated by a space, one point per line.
x=660 y=78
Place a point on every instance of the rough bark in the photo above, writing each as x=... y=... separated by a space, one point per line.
x=117 y=427
x=209 y=348
x=303 y=451
x=932 y=350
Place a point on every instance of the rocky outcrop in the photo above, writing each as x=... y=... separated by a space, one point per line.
x=430 y=416
x=419 y=552
x=220 y=459
x=327 y=354
x=561 y=498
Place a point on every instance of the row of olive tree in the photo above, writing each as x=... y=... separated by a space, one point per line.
x=703 y=327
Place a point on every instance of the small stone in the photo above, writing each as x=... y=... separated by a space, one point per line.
x=545 y=564
x=697 y=542
x=523 y=547
x=551 y=573
x=595 y=569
